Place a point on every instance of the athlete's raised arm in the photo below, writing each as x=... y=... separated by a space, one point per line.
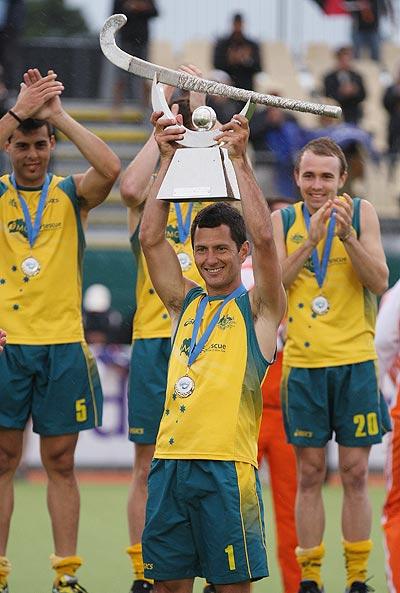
x=163 y=264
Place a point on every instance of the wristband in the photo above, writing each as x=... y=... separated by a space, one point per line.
x=15 y=116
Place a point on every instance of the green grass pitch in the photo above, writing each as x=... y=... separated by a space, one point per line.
x=103 y=539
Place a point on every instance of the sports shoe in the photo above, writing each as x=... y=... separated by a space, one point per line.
x=310 y=587
x=68 y=584
x=359 y=587
x=141 y=587
x=209 y=589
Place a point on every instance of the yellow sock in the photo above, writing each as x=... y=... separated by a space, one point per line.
x=356 y=557
x=310 y=560
x=65 y=565
x=135 y=554
x=5 y=569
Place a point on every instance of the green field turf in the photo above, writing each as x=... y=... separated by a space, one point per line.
x=103 y=538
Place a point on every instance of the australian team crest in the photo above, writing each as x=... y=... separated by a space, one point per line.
x=226 y=322
x=297 y=238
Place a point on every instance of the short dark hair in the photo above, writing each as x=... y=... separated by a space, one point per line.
x=219 y=213
x=30 y=125
x=323 y=146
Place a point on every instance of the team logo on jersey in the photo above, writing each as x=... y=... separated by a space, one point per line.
x=216 y=347
x=185 y=346
x=297 y=238
x=172 y=233
x=226 y=322
x=18 y=226
x=13 y=203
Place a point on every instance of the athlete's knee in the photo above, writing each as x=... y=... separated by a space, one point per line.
x=311 y=474
x=9 y=460
x=10 y=453
x=354 y=474
x=59 y=461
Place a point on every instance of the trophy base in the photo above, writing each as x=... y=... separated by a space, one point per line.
x=200 y=175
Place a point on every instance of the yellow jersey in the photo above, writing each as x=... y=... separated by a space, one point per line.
x=220 y=420
x=44 y=307
x=345 y=333
x=151 y=318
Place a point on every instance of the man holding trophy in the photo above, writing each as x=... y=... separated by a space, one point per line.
x=206 y=450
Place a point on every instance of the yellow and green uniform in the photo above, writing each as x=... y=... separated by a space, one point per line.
x=47 y=366
x=206 y=455
x=152 y=335
x=232 y=351
x=329 y=377
x=46 y=308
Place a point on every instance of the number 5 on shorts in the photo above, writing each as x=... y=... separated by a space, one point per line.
x=231 y=557
x=366 y=424
x=80 y=410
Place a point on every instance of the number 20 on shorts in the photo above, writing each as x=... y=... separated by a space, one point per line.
x=367 y=424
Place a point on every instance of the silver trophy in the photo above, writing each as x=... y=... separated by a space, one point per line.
x=200 y=170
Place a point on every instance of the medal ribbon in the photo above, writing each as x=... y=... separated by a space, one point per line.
x=183 y=225
x=196 y=348
x=320 y=267
x=33 y=230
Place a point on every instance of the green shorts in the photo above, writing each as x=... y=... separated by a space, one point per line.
x=342 y=399
x=204 y=518
x=57 y=384
x=147 y=385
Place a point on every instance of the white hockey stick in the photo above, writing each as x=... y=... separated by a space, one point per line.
x=188 y=82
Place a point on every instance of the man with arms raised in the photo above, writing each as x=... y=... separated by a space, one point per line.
x=46 y=370
x=333 y=265
x=224 y=339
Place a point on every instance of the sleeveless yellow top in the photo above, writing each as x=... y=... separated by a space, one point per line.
x=151 y=318
x=221 y=419
x=46 y=308
x=345 y=334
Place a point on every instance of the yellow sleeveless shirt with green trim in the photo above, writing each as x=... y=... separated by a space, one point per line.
x=151 y=317
x=345 y=334
x=221 y=419
x=46 y=308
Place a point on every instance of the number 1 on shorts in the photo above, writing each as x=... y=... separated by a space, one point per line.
x=231 y=557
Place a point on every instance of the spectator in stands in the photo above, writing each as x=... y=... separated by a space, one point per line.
x=12 y=16
x=238 y=55
x=224 y=108
x=391 y=102
x=346 y=86
x=279 y=135
x=366 y=15
x=134 y=39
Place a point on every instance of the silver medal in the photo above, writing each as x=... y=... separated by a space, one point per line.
x=185 y=261
x=320 y=305
x=184 y=386
x=30 y=266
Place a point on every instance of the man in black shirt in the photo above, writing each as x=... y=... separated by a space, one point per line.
x=134 y=39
